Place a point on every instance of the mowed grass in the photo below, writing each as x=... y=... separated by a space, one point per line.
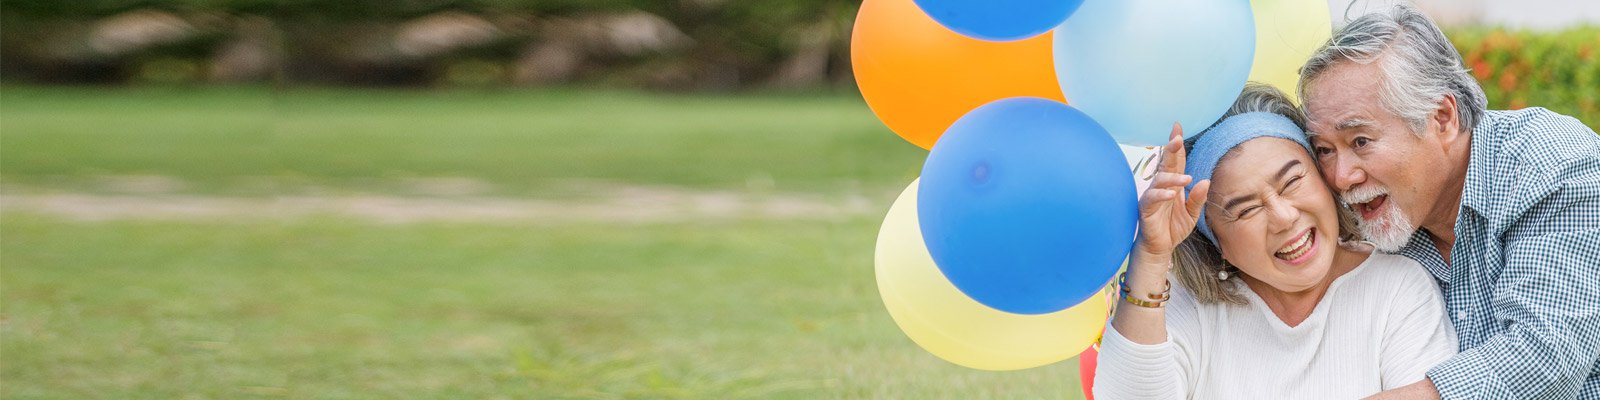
x=333 y=307
x=344 y=309
x=263 y=141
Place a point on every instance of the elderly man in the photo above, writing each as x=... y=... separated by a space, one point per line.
x=1503 y=207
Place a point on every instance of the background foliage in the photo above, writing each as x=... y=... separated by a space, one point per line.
x=730 y=45
x=1555 y=70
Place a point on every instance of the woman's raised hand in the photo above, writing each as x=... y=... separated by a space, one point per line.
x=1166 y=216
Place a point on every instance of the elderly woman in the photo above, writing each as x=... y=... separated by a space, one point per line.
x=1269 y=300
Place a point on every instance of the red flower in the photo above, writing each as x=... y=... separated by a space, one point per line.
x=1481 y=70
x=1508 y=82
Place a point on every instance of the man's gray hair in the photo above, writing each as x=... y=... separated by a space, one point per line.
x=1420 y=66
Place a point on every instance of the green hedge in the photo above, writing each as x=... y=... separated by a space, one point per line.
x=337 y=9
x=1555 y=70
x=772 y=12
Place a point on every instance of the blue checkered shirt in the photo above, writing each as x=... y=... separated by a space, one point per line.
x=1523 y=284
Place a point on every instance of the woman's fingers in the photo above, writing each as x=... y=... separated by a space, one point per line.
x=1181 y=157
x=1156 y=203
x=1172 y=154
x=1168 y=180
x=1154 y=196
x=1164 y=187
x=1197 y=197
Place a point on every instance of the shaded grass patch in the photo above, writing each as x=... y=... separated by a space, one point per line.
x=333 y=308
x=264 y=142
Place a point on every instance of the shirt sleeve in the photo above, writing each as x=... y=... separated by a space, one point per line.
x=1548 y=297
x=1417 y=336
x=1128 y=370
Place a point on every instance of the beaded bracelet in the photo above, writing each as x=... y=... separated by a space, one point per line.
x=1157 y=300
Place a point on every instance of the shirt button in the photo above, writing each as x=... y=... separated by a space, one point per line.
x=1461 y=315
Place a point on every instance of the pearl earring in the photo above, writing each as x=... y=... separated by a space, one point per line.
x=1226 y=272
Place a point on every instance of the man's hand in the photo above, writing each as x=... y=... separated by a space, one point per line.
x=1416 y=391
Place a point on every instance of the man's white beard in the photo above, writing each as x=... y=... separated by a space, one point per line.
x=1391 y=229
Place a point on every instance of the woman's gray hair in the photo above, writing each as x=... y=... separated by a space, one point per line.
x=1197 y=261
x=1420 y=66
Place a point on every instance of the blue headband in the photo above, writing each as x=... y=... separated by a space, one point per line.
x=1211 y=145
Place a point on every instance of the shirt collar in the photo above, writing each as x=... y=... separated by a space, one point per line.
x=1480 y=164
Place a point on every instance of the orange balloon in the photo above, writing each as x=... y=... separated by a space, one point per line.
x=919 y=77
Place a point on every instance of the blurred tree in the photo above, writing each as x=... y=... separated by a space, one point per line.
x=675 y=44
x=665 y=44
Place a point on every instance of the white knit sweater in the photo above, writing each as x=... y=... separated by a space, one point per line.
x=1380 y=326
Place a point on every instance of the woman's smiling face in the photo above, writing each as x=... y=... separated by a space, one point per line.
x=1273 y=217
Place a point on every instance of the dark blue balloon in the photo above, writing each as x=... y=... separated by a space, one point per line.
x=1027 y=205
x=999 y=20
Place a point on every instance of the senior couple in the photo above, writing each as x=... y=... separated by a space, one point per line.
x=1390 y=239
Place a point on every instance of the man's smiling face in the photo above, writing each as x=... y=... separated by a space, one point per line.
x=1389 y=174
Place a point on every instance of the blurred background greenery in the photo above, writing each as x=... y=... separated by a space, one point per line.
x=481 y=199
x=671 y=45
x=706 y=44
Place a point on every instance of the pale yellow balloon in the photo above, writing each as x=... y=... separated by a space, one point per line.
x=1287 y=32
x=954 y=327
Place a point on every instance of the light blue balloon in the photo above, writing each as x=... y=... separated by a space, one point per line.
x=999 y=20
x=1137 y=66
x=1027 y=205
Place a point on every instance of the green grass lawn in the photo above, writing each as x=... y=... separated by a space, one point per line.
x=337 y=307
x=260 y=141
x=341 y=309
